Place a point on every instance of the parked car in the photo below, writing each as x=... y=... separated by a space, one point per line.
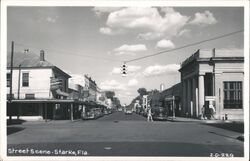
x=105 y=112
x=128 y=110
x=88 y=114
x=98 y=112
x=159 y=113
x=92 y=113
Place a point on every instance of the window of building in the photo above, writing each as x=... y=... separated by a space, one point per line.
x=232 y=95
x=29 y=96
x=8 y=79
x=25 y=79
x=8 y=96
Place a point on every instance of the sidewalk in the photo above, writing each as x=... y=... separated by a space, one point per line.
x=183 y=119
x=207 y=121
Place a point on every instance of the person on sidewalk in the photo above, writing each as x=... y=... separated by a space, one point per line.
x=149 y=118
x=212 y=110
x=203 y=117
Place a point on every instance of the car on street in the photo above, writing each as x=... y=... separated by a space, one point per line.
x=128 y=110
x=159 y=113
x=92 y=113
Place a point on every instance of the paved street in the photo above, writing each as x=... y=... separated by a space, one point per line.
x=122 y=135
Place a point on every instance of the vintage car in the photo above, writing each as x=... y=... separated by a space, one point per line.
x=159 y=113
x=128 y=110
x=92 y=113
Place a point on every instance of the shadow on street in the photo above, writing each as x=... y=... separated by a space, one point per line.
x=11 y=130
x=15 y=122
x=234 y=126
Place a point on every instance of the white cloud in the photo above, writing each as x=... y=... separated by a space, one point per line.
x=50 y=19
x=132 y=48
x=204 y=19
x=116 y=70
x=106 y=30
x=133 y=82
x=112 y=85
x=131 y=69
x=165 y=44
x=150 y=35
x=148 y=20
x=158 y=70
x=185 y=32
x=129 y=49
x=109 y=31
x=99 y=11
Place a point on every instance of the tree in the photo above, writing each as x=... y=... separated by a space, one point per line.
x=102 y=98
x=116 y=102
x=142 y=91
x=110 y=94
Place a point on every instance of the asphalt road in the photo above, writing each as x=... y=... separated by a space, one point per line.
x=121 y=135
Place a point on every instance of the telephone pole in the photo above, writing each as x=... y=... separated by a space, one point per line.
x=11 y=76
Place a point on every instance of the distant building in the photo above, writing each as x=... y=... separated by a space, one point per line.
x=90 y=88
x=162 y=87
x=214 y=76
x=171 y=99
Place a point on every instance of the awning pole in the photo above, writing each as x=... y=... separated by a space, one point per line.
x=46 y=112
x=173 y=107
x=71 y=112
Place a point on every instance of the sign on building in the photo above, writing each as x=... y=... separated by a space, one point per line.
x=56 y=83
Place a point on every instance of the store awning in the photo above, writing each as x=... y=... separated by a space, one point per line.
x=43 y=101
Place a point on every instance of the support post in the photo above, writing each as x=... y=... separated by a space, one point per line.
x=173 y=107
x=54 y=110
x=201 y=92
x=46 y=112
x=11 y=76
x=71 y=112
x=196 y=102
x=19 y=78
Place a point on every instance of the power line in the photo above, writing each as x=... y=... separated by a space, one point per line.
x=188 y=45
x=70 y=52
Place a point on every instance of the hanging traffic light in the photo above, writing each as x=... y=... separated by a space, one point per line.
x=124 y=70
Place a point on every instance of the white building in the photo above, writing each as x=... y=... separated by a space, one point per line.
x=216 y=75
x=35 y=81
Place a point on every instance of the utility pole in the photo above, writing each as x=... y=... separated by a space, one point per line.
x=173 y=108
x=11 y=76
x=19 y=78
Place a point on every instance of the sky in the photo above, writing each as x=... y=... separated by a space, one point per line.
x=98 y=40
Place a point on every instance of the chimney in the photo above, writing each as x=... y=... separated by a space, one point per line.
x=42 y=55
x=213 y=52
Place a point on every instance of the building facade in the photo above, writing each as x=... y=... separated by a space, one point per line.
x=213 y=77
x=90 y=88
x=171 y=99
x=34 y=82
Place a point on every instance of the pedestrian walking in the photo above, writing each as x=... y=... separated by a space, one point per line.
x=203 y=112
x=212 y=110
x=149 y=118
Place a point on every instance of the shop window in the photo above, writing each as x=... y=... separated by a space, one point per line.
x=25 y=79
x=232 y=95
x=30 y=109
x=29 y=96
